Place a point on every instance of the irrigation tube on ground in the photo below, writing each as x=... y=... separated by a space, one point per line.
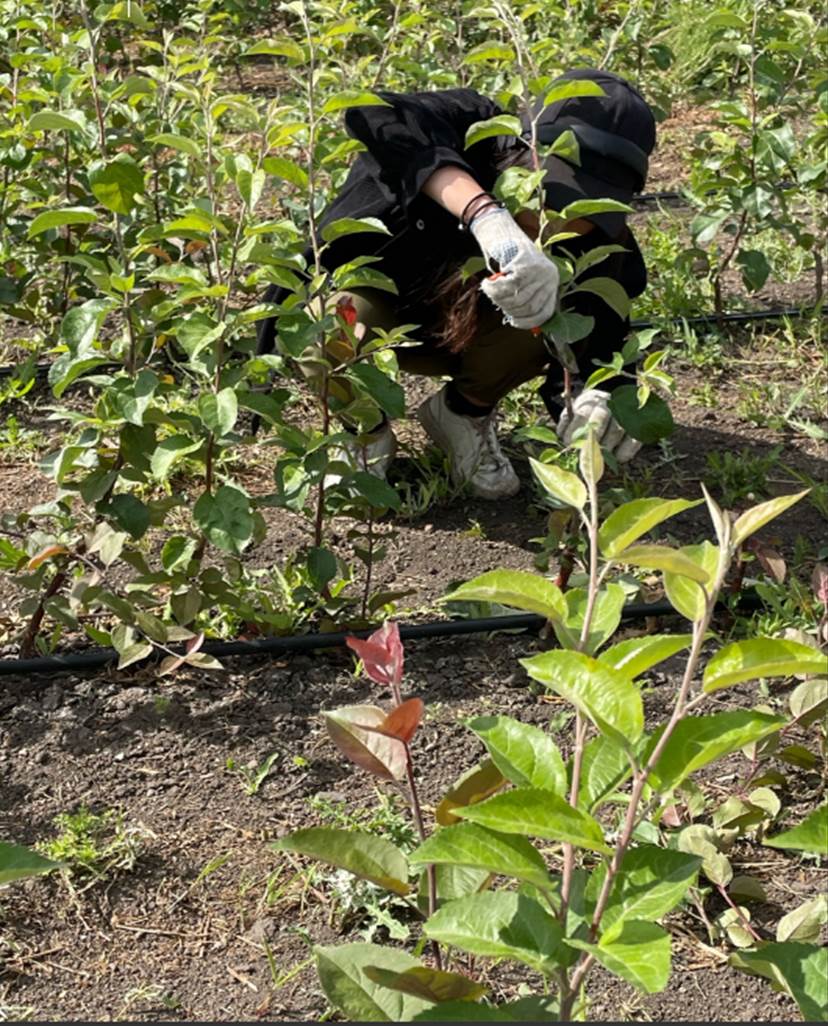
x=97 y=658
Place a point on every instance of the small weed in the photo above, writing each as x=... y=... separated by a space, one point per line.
x=705 y=395
x=17 y=440
x=371 y=906
x=152 y=996
x=740 y=477
x=386 y=820
x=475 y=530
x=251 y=775
x=95 y=846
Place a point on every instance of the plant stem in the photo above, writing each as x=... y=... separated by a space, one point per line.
x=431 y=873
x=680 y=709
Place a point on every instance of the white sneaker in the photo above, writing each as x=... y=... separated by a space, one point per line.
x=471 y=444
x=374 y=454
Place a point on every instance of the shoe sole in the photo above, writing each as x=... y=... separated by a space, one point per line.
x=432 y=428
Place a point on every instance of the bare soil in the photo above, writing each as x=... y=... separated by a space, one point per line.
x=168 y=940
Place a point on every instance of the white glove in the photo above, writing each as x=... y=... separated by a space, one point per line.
x=526 y=289
x=592 y=407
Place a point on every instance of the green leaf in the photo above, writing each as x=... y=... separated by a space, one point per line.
x=800 y=970
x=116 y=183
x=761 y=657
x=501 y=124
x=750 y=521
x=365 y=855
x=81 y=324
x=219 y=410
x=810 y=835
x=809 y=701
x=68 y=368
x=699 y=740
x=662 y=557
x=322 y=566
x=346 y=985
x=177 y=552
x=134 y=653
x=639 y=954
x=526 y=755
x=587 y=207
x=428 y=984
x=492 y=50
x=18 y=863
x=568 y=488
x=377 y=492
x=537 y=813
x=632 y=520
x=804 y=923
x=58 y=218
x=351 y=226
x=612 y=293
x=606 y=616
x=473 y=786
x=569 y=89
x=452 y=882
x=289 y=170
x=607 y=697
x=650 y=883
x=468 y=844
x=177 y=142
x=130 y=514
x=517 y=588
x=225 y=519
x=385 y=392
x=499 y=924
x=685 y=595
x=604 y=767
x=353 y=98
x=169 y=451
x=56 y=121
x=637 y=655
x=647 y=423
x=590 y=458
x=276 y=48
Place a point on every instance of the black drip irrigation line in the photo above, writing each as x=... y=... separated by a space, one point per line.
x=98 y=658
x=739 y=317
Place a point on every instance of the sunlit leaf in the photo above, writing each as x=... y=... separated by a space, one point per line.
x=606 y=696
x=516 y=588
x=365 y=855
x=469 y=844
x=526 y=755
x=761 y=657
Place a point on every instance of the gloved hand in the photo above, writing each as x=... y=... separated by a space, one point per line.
x=592 y=407
x=526 y=289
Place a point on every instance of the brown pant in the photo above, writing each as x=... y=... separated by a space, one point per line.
x=498 y=360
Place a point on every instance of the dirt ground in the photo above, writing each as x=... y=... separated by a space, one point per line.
x=175 y=939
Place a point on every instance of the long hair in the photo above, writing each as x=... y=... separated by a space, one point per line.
x=457 y=299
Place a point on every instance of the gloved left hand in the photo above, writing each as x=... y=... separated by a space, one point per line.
x=526 y=285
x=592 y=407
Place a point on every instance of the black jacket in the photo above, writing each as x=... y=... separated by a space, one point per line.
x=406 y=142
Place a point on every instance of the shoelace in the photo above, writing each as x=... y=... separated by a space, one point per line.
x=490 y=445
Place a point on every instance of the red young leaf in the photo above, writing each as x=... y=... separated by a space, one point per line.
x=402 y=722
x=346 y=311
x=381 y=654
x=355 y=730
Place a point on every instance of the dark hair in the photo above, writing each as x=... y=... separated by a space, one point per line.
x=457 y=299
